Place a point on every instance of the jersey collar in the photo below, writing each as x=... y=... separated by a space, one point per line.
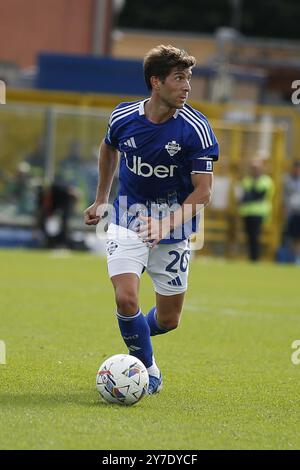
x=142 y=109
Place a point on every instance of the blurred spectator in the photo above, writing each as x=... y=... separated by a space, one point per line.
x=19 y=190
x=55 y=207
x=36 y=159
x=91 y=175
x=71 y=173
x=70 y=168
x=255 y=205
x=2 y=182
x=292 y=209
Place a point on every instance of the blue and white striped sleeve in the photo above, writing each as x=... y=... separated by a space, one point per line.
x=110 y=137
x=119 y=115
x=203 y=145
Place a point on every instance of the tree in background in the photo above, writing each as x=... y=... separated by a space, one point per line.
x=264 y=18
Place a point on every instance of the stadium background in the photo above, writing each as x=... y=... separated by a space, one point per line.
x=66 y=64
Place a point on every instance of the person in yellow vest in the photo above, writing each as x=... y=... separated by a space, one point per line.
x=256 y=205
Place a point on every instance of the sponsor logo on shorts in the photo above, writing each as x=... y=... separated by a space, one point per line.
x=111 y=247
x=175 y=282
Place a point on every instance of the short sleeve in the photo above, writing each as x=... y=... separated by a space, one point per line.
x=111 y=134
x=203 y=147
x=120 y=115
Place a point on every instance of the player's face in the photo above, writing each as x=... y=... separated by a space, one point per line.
x=174 y=90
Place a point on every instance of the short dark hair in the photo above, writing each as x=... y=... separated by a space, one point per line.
x=160 y=60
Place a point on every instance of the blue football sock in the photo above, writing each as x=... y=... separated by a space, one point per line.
x=155 y=329
x=136 y=334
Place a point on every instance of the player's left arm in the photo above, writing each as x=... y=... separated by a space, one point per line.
x=155 y=230
x=202 y=183
x=196 y=201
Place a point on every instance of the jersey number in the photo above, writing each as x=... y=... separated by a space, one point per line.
x=184 y=261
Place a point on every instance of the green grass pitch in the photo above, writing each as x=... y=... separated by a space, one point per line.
x=229 y=382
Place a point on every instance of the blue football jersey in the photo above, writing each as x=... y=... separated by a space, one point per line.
x=157 y=160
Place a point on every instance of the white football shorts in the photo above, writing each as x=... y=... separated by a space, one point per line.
x=166 y=264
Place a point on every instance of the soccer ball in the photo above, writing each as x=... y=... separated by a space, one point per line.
x=122 y=379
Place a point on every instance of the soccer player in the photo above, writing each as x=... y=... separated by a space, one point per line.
x=167 y=150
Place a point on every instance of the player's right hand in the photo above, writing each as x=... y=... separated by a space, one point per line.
x=94 y=213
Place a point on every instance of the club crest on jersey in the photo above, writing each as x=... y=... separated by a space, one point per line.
x=172 y=148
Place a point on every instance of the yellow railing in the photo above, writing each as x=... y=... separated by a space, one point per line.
x=282 y=114
x=238 y=144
